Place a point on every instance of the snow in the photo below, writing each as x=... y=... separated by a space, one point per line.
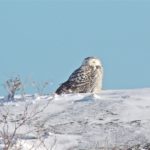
x=111 y=119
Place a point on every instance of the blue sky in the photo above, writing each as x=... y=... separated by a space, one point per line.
x=47 y=40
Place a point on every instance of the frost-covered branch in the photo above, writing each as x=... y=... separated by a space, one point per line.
x=11 y=124
x=40 y=86
x=12 y=86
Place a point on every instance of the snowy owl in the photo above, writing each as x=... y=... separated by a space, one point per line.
x=86 y=79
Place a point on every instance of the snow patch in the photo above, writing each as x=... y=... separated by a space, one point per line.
x=111 y=119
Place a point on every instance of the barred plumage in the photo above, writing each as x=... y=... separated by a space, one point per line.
x=86 y=79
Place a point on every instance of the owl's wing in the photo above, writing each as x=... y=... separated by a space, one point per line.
x=81 y=76
x=78 y=81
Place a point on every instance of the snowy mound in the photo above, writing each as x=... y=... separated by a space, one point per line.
x=109 y=120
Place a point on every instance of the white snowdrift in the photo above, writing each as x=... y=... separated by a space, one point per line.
x=111 y=119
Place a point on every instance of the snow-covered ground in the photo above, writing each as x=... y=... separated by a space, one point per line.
x=113 y=119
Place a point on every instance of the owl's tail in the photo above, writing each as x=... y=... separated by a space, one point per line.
x=63 y=89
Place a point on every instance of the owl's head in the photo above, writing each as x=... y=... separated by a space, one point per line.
x=92 y=61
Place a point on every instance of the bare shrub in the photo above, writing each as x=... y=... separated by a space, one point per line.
x=11 y=123
x=40 y=86
x=13 y=85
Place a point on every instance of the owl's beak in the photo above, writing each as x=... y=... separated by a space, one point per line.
x=98 y=67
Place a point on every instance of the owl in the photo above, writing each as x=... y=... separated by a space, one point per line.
x=86 y=79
